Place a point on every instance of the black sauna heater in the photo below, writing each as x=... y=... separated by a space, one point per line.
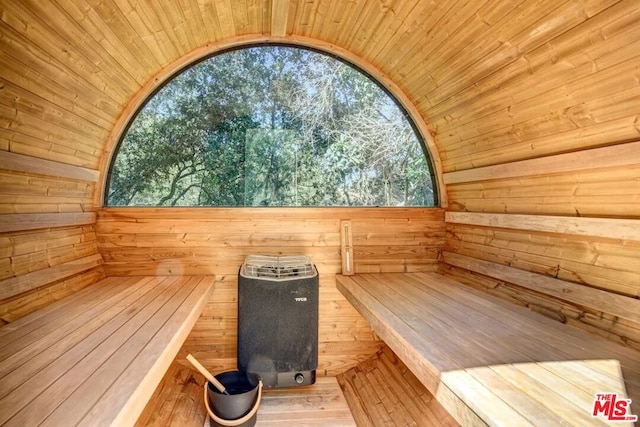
x=278 y=319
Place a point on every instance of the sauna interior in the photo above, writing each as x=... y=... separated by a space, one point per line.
x=514 y=301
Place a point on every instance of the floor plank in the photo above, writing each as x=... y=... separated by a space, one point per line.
x=177 y=400
x=322 y=404
x=383 y=392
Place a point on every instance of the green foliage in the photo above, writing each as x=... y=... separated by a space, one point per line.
x=271 y=126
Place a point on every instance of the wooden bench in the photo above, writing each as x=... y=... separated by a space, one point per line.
x=96 y=357
x=486 y=360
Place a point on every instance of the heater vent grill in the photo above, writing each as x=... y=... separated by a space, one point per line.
x=278 y=267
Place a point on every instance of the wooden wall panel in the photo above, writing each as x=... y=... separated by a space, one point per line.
x=143 y=241
x=596 y=193
x=622 y=306
x=16 y=307
x=32 y=165
x=609 y=265
x=25 y=252
x=594 y=262
x=556 y=83
x=25 y=193
x=594 y=321
x=611 y=156
x=47 y=235
x=578 y=226
x=41 y=266
x=619 y=229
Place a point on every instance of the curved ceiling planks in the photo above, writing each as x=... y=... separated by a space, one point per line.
x=495 y=81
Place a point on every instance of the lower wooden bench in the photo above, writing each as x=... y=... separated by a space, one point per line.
x=490 y=362
x=96 y=357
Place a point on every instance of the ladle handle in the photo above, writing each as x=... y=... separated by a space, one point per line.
x=217 y=384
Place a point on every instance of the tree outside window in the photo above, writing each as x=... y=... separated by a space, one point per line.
x=271 y=126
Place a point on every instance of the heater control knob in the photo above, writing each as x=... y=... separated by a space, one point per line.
x=299 y=378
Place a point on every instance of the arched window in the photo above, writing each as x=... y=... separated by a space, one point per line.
x=271 y=125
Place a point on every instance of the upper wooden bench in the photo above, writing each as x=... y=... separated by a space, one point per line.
x=489 y=361
x=96 y=357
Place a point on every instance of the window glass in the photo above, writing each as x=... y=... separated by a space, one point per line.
x=271 y=126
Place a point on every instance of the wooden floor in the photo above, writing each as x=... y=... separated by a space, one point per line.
x=437 y=326
x=96 y=357
x=383 y=392
x=178 y=402
x=322 y=404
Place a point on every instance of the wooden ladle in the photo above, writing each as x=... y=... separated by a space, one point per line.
x=217 y=384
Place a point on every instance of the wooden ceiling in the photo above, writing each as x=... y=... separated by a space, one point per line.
x=495 y=81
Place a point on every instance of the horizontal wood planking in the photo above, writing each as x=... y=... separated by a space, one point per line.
x=47 y=239
x=517 y=103
x=604 y=264
x=510 y=70
x=25 y=193
x=177 y=241
x=618 y=305
x=33 y=165
x=516 y=23
x=57 y=140
x=27 y=251
x=35 y=111
x=26 y=282
x=21 y=305
x=35 y=221
x=139 y=241
x=47 y=264
x=610 y=228
x=620 y=155
x=595 y=193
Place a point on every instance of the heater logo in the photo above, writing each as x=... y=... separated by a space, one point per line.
x=301 y=299
x=612 y=408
